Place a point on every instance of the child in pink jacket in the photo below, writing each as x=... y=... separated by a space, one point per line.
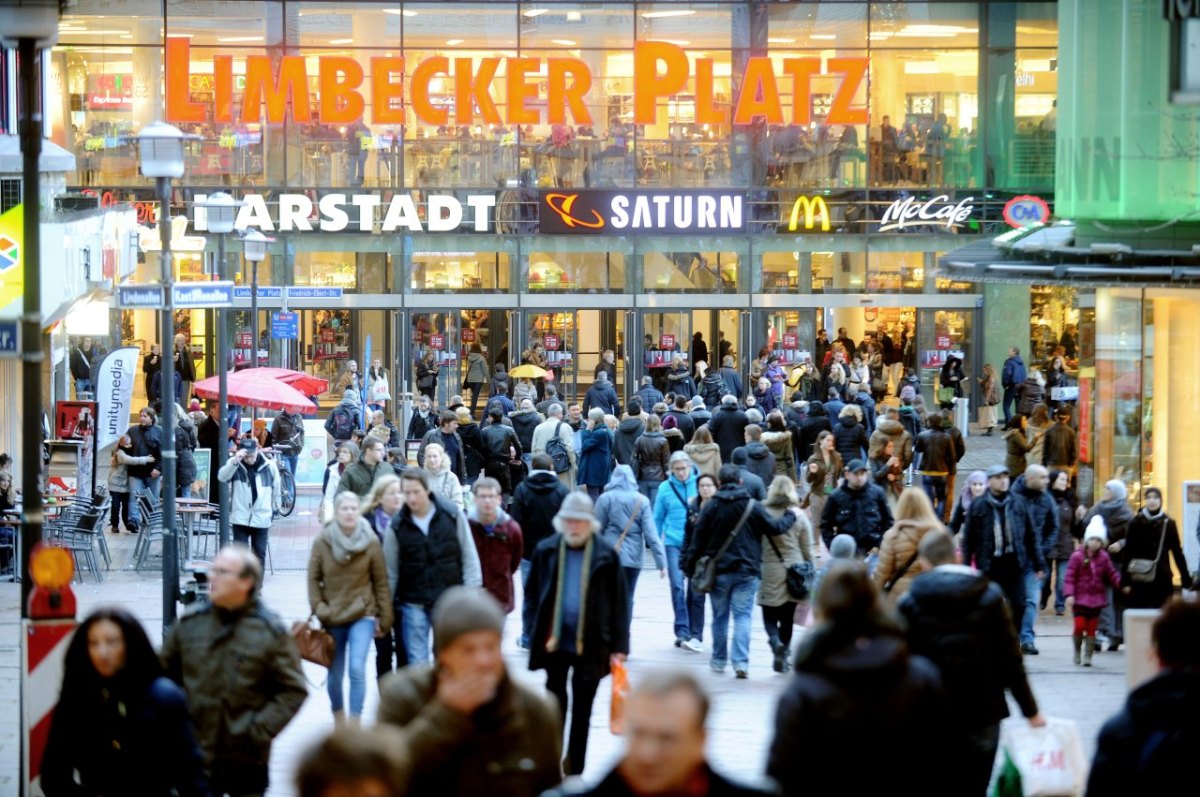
x=1088 y=571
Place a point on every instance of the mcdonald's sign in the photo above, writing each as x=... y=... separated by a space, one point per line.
x=815 y=212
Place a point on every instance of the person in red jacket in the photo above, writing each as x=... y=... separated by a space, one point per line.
x=1089 y=569
x=498 y=540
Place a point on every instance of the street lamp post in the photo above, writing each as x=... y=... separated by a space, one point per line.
x=162 y=159
x=254 y=246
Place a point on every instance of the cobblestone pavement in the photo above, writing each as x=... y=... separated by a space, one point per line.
x=742 y=717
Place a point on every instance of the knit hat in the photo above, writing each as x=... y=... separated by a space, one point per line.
x=843 y=547
x=697 y=402
x=669 y=422
x=462 y=610
x=577 y=506
x=1096 y=530
x=1117 y=488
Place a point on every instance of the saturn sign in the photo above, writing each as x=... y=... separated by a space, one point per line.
x=1022 y=211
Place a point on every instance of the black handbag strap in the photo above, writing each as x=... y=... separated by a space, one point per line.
x=682 y=500
x=729 y=540
x=899 y=574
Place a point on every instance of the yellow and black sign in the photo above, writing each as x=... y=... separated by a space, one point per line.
x=809 y=213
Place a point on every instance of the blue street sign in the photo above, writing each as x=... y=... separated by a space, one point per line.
x=134 y=297
x=202 y=294
x=285 y=326
x=10 y=339
x=295 y=292
x=264 y=292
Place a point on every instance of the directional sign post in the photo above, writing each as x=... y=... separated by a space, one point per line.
x=10 y=339
x=264 y=292
x=303 y=292
x=195 y=295
x=140 y=297
x=285 y=326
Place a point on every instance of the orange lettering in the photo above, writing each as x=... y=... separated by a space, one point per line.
x=384 y=91
x=840 y=111
x=802 y=71
x=260 y=88
x=560 y=95
x=420 y=90
x=758 y=79
x=223 y=72
x=340 y=100
x=519 y=91
x=471 y=90
x=179 y=107
x=648 y=85
x=706 y=114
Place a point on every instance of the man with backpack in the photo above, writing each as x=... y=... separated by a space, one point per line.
x=345 y=417
x=554 y=438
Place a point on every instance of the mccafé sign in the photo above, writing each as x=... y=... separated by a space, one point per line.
x=338 y=212
x=660 y=70
x=595 y=212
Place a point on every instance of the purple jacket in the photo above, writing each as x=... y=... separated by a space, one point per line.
x=1085 y=580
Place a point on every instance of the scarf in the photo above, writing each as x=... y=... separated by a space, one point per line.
x=585 y=573
x=1000 y=531
x=1156 y=516
x=346 y=545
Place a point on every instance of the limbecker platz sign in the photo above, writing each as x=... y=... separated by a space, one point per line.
x=660 y=70
x=643 y=211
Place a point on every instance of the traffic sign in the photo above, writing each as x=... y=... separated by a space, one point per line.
x=305 y=292
x=264 y=292
x=285 y=326
x=140 y=297
x=10 y=339
x=202 y=294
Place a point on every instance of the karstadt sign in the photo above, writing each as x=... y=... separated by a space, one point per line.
x=338 y=212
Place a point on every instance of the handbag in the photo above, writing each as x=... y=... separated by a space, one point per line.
x=879 y=385
x=704 y=574
x=1144 y=571
x=945 y=395
x=314 y=643
x=798 y=576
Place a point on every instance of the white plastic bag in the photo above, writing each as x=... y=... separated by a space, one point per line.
x=1050 y=759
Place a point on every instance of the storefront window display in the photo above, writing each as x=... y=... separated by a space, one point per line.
x=697 y=265
x=942 y=334
x=362 y=272
x=591 y=264
x=461 y=271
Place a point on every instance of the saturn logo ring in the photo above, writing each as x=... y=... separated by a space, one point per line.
x=562 y=204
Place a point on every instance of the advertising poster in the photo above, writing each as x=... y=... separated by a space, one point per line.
x=76 y=420
x=114 y=394
x=310 y=466
x=200 y=486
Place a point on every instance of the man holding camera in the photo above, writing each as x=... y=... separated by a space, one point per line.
x=253 y=495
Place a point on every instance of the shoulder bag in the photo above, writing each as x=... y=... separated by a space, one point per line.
x=687 y=508
x=798 y=576
x=637 y=510
x=1143 y=571
x=314 y=643
x=890 y=584
x=704 y=574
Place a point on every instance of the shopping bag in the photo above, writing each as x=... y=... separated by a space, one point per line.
x=1050 y=759
x=620 y=689
x=1007 y=780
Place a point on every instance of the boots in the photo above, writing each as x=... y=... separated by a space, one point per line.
x=1089 y=646
x=1078 y=642
x=780 y=649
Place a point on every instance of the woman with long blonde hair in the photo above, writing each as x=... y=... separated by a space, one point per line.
x=778 y=554
x=898 y=562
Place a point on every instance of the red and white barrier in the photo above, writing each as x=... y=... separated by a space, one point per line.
x=43 y=649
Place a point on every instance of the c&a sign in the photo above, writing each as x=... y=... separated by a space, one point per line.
x=667 y=211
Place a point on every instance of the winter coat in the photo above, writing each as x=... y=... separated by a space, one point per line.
x=1087 y=576
x=728 y=428
x=1116 y=516
x=499 y=443
x=649 y=395
x=1035 y=434
x=1149 y=746
x=1043 y=514
x=118 y=474
x=1029 y=395
x=705 y=456
x=349 y=405
x=499 y=378
x=1013 y=373
x=687 y=427
x=1070 y=530
x=959 y=619
x=850 y=695
x=333 y=478
x=427 y=375
x=545 y=432
x=650 y=457
x=863 y=514
x=902 y=442
x=620 y=502
x=124 y=743
x=812 y=426
x=185 y=446
x=716 y=522
x=422 y=566
x=359 y=477
x=147 y=442
x=671 y=507
x=524 y=422
x=700 y=416
x=626 y=437
x=341 y=592
x=524 y=390
x=500 y=551
x=935 y=451
x=789 y=548
x=680 y=382
x=241 y=673
x=535 y=502
x=604 y=396
x=733 y=382
x=979 y=541
x=244 y=511
x=1059 y=449
x=711 y=388
x=477 y=369
x=910 y=421
x=780 y=445
x=509 y=747
x=675 y=439
x=605 y=615
x=1143 y=542
x=850 y=438
x=420 y=425
x=761 y=462
x=899 y=547
x=765 y=399
x=1016 y=447
x=595 y=457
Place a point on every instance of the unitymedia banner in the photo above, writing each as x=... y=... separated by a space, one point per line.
x=114 y=395
x=598 y=212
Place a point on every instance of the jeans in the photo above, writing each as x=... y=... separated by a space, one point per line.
x=292 y=460
x=1033 y=590
x=649 y=488
x=734 y=592
x=631 y=578
x=120 y=508
x=137 y=486
x=389 y=645
x=1060 y=573
x=82 y=386
x=528 y=609
x=976 y=756
x=1112 y=617
x=350 y=641
x=935 y=488
x=695 y=605
x=1010 y=396
x=256 y=538
x=583 y=691
x=594 y=492
x=183 y=490
x=416 y=632
x=476 y=388
x=678 y=594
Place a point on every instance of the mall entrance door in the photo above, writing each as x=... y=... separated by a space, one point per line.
x=691 y=334
x=437 y=346
x=572 y=344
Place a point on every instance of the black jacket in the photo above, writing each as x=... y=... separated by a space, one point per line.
x=728 y=428
x=718 y=519
x=935 y=451
x=428 y=564
x=535 y=502
x=523 y=423
x=650 y=457
x=649 y=395
x=1070 y=530
x=1043 y=515
x=959 y=619
x=605 y=615
x=680 y=382
x=733 y=382
x=147 y=441
x=614 y=785
x=1143 y=541
x=604 y=396
x=1149 y=746
x=711 y=388
x=700 y=416
x=626 y=437
x=418 y=426
x=762 y=461
x=863 y=514
x=850 y=439
x=498 y=442
x=979 y=535
x=1029 y=395
x=816 y=422
x=685 y=424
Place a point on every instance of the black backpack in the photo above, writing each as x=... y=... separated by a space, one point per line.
x=341 y=423
x=556 y=449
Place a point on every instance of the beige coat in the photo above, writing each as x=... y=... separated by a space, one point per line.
x=793 y=547
x=780 y=444
x=898 y=546
x=341 y=593
x=706 y=456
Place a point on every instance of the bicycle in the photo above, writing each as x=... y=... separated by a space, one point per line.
x=287 y=482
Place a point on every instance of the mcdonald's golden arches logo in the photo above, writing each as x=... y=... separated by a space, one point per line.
x=815 y=211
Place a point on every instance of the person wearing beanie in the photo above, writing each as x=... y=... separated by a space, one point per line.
x=751 y=481
x=1113 y=508
x=463 y=718
x=699 y=412
x=579 y=629
x=1153 y=537
x=1088 y=572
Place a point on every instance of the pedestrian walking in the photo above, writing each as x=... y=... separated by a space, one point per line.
x=287 y=432
x=602 y=395
x=1113 y=507
x=380 y=508
x=347 y=455
x=360 y=476
x=899 y=561
x=629 y=430
x=349 y=761
x=118 y=484
x=144 y=478
x=445 y=482
x=500 y=447
x=254 y=495
x=1016 y=445
x=779 y=554
x=348 y=593
x=595 y=453
x=627 y=524
x=446 y=435
x=344 y=418
x=703 y=452
x=1090 y=575
x=497 y=539
x=423 y=419
x=535 y=502
x=672 y=508
x=975 y=487
x=651 y=455
x=1153 y=537
x=240 y=671
x=1070 y=534
x=936 y=453
x=1037 y=505
x=858 y=508
x=989 y=387
x=555 y=438
x=1011 y=376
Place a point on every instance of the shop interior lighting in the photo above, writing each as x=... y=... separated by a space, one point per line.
x=676 y=42
x=233 y=39
x=679 y=12
x=535 y=12
x=565 y=42
x=922 y=31
x=823 y=36
x=780 y=40
x=87 y=32
x=574 y=16
x=454 y=42
x=341 y=41
x=408 y=12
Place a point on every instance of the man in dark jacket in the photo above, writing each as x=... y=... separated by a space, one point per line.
x=733 y=380
x=628 y=431
x=423 y=419
x=287 y=435
x=208 y=435
x=683 y=421
x=958 y=619
x=146 y=436
x=1149 y=747
x=815 y=423
x=535 y=502
x=469 y=728
x=833 y=405
x=858 y=508
x=648 y=394
x=935 y=454
x=361 y=476
x=728 y=427
x=751 y=483
x=700 y=413
x=239 y=667
x=497 y=539
x=524 y=420
x=1030 y=491
x=578 y=589
x=733 y=519
x=82 y=356
x=1059 y=449
x=850 y=437
x=603 y=395
x=345 y=417
x=1011 y=377
x=999 y=539
x=761 y=461
x=500 y=444
x=446 y=435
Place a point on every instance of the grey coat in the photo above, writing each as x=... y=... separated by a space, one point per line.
x=621 y=501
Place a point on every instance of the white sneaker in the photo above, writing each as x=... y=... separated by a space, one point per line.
x=693 y=645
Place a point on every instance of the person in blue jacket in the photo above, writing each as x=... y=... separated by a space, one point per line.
x=670 y=516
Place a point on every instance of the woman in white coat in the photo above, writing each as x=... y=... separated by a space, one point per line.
x=445 y=481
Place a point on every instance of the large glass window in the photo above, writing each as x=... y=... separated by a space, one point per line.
x=434 y=270
x=568 y=264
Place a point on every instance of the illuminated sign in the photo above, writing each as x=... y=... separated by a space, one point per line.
x=1021 y=211
x=1179 y=10
x=110 y=92
x=660 y=70
x=815 y=211
x=934 y=212
x=296 y=212
x=681 y=211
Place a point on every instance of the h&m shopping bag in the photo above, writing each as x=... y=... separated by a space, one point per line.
x=1050 y=759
